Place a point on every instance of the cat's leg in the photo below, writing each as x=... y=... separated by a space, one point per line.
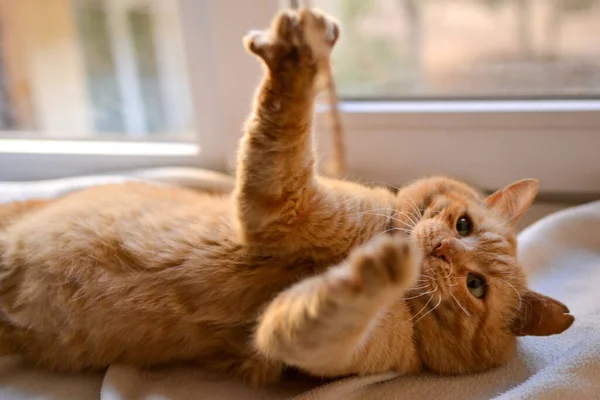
x=276 y=184
x=324 y=324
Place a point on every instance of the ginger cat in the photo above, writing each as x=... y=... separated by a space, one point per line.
x=292 y=269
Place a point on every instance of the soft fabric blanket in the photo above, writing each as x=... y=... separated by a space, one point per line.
x=562 y=255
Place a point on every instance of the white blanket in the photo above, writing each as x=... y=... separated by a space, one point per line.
x=562 y=255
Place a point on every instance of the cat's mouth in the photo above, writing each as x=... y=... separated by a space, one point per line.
x=438 y=270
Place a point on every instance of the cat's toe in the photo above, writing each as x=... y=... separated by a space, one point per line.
x=319 y=31
x=305 y=35
x=258 y=42
x=388 y=262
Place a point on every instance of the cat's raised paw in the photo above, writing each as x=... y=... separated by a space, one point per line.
x=303 y=36
x=388 y=262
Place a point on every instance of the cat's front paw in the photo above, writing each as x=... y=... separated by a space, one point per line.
x=387 y=263
x=303 y=37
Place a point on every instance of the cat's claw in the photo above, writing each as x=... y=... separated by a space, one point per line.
x=308 y=33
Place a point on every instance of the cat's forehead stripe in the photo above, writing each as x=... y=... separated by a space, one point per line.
x=448 y=195
x=440 y=203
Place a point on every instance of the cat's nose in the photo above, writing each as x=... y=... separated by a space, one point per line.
x=444 y=250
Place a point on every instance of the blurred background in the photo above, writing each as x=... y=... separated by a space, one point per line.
x=488 y=91
x=467 y=48
x=116 y=68
x=93 y=68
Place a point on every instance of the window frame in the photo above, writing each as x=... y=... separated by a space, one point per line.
x=555 y=141
x=222 y=78
x=552 y=140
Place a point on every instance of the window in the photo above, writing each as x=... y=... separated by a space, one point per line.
x=488 y=91
x=467 y=48
x=101 y=69
x=98 y=86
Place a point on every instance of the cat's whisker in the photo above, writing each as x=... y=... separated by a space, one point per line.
x=451 y=270
x=377 y=209
x=430 y=311
x=513 y=288
x=426 y=283
x=460 y=305
x=419 y=295
x=419 y=287
x=421 y=310
x=381 y=215
x=413 y=219
x=428 y=276
x=378 y=212
x=408 y=226
x=385 y=231
x=415 y=208
x=354 y=212
x=409 y=217
x=406 y=231
x=429 y=291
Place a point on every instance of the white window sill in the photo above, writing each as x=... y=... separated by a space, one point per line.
x=96 y=147
x=486 y=143
x=466 y=106
x=25 y=160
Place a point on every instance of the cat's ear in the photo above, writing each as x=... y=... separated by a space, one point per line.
x=515 y=199
x=541 y=315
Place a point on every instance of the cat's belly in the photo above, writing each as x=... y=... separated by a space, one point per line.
x=91 y=281
x=88 y=316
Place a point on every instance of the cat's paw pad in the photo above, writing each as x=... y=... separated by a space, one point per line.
x=305 y=35
x=388 y=262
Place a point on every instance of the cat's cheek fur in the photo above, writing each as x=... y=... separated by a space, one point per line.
x=475 y=351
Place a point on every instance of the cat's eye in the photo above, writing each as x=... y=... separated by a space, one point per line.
x=464 y=226
x=476 y=285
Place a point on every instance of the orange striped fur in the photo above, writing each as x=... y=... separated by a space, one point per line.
x=291 y=269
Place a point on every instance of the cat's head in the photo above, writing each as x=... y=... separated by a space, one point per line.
x=472 y=300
